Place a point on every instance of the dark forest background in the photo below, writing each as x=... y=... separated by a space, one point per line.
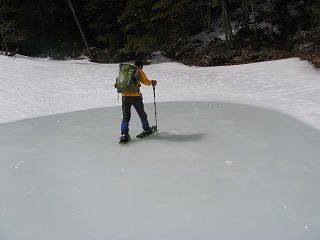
x=201 y=32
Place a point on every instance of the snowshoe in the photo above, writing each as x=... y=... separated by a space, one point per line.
x=124 y=138
x=152 y=130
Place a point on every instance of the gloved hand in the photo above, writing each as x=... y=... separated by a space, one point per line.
x=154 y=82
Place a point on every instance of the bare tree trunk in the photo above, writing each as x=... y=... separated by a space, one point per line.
x=226 y=23
x=270 y=11
x=4 y=40
x=245 y=15
x=209 y=19
x=81 y=31
x=253 y=10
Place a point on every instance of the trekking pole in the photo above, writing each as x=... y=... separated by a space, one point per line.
x=155 y=106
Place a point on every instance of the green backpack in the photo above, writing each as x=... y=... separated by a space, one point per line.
x=128 y=78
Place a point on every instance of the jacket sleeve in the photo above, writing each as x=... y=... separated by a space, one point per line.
x=144 y=79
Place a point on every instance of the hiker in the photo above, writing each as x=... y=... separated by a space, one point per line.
x=131 y=96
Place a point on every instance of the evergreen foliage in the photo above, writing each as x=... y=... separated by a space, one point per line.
x=315 y=13
x=135 y=19
x=101 y=16
x=138 y=27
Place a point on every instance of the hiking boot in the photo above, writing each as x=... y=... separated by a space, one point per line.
x=124 y=138
x=147 y=133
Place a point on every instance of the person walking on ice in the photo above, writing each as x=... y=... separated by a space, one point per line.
x=128 y=83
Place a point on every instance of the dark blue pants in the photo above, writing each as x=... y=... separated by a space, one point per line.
x=137 y=103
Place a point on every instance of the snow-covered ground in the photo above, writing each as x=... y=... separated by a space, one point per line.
x=32 y=87
x=236 y=157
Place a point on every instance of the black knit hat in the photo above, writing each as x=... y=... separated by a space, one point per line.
x=138 y=63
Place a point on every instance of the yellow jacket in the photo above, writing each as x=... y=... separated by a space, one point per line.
x=144 y=80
